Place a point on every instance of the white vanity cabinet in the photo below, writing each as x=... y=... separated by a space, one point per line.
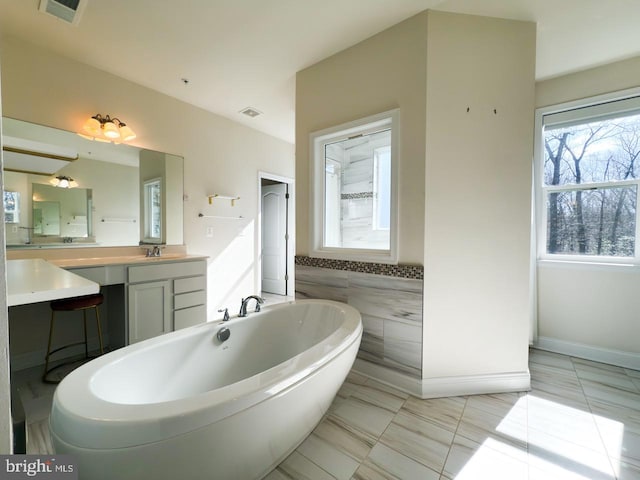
x=164 y=297
x=159 y=296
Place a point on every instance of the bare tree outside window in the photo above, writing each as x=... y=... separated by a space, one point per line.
x=590 y=184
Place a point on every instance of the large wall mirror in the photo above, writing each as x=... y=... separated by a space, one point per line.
x=101 y=204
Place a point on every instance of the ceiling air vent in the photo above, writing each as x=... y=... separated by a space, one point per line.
x=68 y=10
x=250 y=112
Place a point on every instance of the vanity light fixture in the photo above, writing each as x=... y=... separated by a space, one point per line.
x=109 y=129
x=63 y=181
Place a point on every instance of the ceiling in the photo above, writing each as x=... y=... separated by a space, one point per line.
x=245 y=53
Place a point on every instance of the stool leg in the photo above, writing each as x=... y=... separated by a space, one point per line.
x=86 y=342
x=46 y=358
x=99 y=330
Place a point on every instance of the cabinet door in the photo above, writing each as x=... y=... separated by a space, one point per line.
x=149 y=310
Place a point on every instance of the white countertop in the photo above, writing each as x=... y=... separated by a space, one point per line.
x=36 y=280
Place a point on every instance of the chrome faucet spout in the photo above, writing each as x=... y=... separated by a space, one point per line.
x=245 y=302
x=153 y=252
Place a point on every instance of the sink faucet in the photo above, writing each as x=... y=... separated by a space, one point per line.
x=153 y=252
x=245 y=302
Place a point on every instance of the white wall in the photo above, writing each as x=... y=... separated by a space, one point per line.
x=588 y=83
x=384 y=72
x=220 y=156
x=465 y=178
x=590 y=305
x=590 y=310
x=478 y=180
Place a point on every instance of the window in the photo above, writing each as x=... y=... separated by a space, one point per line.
x=382 y=188
x=588 y=172
x=354 y=194
x=11 y=207
x=152 y=211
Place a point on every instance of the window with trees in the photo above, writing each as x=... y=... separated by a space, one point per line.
x=353 y=199
x=588 y=179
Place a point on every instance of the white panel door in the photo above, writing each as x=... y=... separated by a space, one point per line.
x=274 y=238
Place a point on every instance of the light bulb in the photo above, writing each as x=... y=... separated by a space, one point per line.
x=110 y=130
x=92 y=127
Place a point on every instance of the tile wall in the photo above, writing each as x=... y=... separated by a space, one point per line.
x=389 y=298
x=353 y=167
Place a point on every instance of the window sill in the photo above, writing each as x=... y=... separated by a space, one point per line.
x=355 y=256
x=589 y=264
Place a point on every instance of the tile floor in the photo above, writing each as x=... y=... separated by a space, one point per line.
x=581 y=420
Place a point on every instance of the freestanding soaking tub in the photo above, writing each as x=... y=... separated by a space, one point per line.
x=187 y=405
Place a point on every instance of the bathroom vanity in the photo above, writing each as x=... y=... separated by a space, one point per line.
x=161 y=294
x=122 y=195
x=144 y=296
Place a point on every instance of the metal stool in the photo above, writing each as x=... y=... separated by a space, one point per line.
x=69 y=305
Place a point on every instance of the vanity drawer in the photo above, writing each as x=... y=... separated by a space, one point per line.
x=191 y=299
x=160 y=271
x=189 y=316
x=191 y=284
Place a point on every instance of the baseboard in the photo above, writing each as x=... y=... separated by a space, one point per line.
x=36 y=358
x=589 y=352
x=446 y=386
x=393 y=378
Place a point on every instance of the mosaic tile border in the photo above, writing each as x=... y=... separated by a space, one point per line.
x=351 y=196
x=402 y=271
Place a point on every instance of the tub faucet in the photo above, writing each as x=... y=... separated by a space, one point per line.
x=225 y=316
x=245 y=302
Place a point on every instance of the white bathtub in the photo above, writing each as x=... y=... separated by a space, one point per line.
x=187 y=406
